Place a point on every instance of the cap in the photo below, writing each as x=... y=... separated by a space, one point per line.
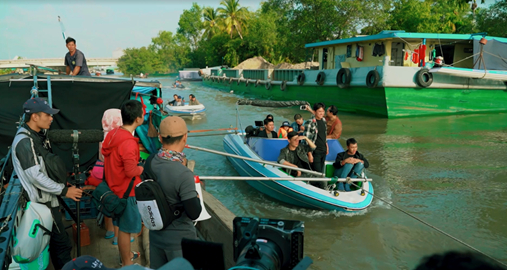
x=84 y=262
x=291 y=134
x=285 y=124
x=179 y=96
x=35 y=105
x=173 y=126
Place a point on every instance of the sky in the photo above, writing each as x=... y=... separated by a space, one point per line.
x=30 y=28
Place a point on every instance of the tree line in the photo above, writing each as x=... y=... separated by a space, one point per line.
x=279 y=29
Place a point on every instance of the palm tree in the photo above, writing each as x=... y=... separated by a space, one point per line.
x=233 y=16
x=211 y=20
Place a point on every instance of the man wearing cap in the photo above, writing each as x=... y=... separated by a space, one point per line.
x=177 y=183
x=121 y=166
x=296 y=154
x=29 y=166
x=284 y=129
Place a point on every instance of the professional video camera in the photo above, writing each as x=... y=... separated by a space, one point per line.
x=263 y=244
x=273 y=244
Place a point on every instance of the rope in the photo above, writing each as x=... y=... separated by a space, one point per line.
x=497 y=56
x=463 y=59
x=429 y=225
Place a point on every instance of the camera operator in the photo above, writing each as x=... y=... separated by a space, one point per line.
x=30 y=168
x=178 y=186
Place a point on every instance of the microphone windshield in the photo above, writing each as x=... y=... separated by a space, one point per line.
x=84 y=136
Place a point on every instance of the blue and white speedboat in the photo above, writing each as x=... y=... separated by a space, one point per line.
x=299 y=193
x=186 y=110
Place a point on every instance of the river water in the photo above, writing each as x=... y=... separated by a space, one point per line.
x=450 y=171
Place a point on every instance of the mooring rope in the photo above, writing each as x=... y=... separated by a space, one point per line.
x=427 y=223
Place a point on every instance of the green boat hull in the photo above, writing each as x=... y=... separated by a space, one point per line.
x=390 y=102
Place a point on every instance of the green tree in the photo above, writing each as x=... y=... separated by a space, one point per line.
x=190 y=24
x=172 y=49
x=233 y=15
x=211 y=22
x=432 y=16
x=139 y=60
x=261 y=38
x=493 y=20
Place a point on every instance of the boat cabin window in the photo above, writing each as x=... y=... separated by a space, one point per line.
x=446 y=51
x=324 y=58
x=397 y=54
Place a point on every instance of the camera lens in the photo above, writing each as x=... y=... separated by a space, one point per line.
x=270 y=256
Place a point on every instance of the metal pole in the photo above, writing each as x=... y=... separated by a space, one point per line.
x=248 y=178
x=254 y=160
x=50 y=94
x=209 y=134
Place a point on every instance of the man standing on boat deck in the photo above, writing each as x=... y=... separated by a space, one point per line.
x=177 y=184
x=30 y=168
x=315 y=130
x=348 y=163
x=333 y=123
x=75 y=61
x=121 y=158
x=296 y=154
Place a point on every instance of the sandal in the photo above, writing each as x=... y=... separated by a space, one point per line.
x=115 y=240
x=136 y=255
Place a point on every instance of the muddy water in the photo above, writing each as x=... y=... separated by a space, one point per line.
x=450 y=171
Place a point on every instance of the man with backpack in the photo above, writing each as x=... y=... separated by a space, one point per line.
x=121 y=165
x=28 y=160
x=177 y=184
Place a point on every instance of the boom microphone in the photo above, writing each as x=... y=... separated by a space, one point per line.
x=84 y=136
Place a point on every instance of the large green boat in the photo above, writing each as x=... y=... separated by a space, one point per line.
x=383 y=75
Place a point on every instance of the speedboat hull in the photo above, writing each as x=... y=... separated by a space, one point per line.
x=186 y=110
x=297 y=193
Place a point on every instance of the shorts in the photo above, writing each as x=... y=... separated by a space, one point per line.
x=130 y=220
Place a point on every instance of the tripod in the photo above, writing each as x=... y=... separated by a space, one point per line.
x=78 y=180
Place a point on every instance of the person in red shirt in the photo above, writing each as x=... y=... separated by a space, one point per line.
x=121 y=158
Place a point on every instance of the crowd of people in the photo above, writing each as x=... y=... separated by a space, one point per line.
x=121 y=164
x=308 y=147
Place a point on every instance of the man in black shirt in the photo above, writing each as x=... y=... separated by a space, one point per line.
x=348 y=162
x=295 y=154
x=269 y=130
x=316 y=130
x=75 y=60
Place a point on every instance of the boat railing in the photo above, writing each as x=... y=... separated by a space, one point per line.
x=232 y=73
x=257 y=74
x=216 y=72
x=285 y=74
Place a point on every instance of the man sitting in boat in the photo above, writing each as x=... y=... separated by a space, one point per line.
x=172 y=102
x=178 y=84
x=295 y=154
x=348 y=163
x=284 y=130
x=193 y=100
x=333 y=123
x=298 y=126
x=269 y=130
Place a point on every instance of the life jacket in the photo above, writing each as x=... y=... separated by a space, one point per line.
x=282 y=133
